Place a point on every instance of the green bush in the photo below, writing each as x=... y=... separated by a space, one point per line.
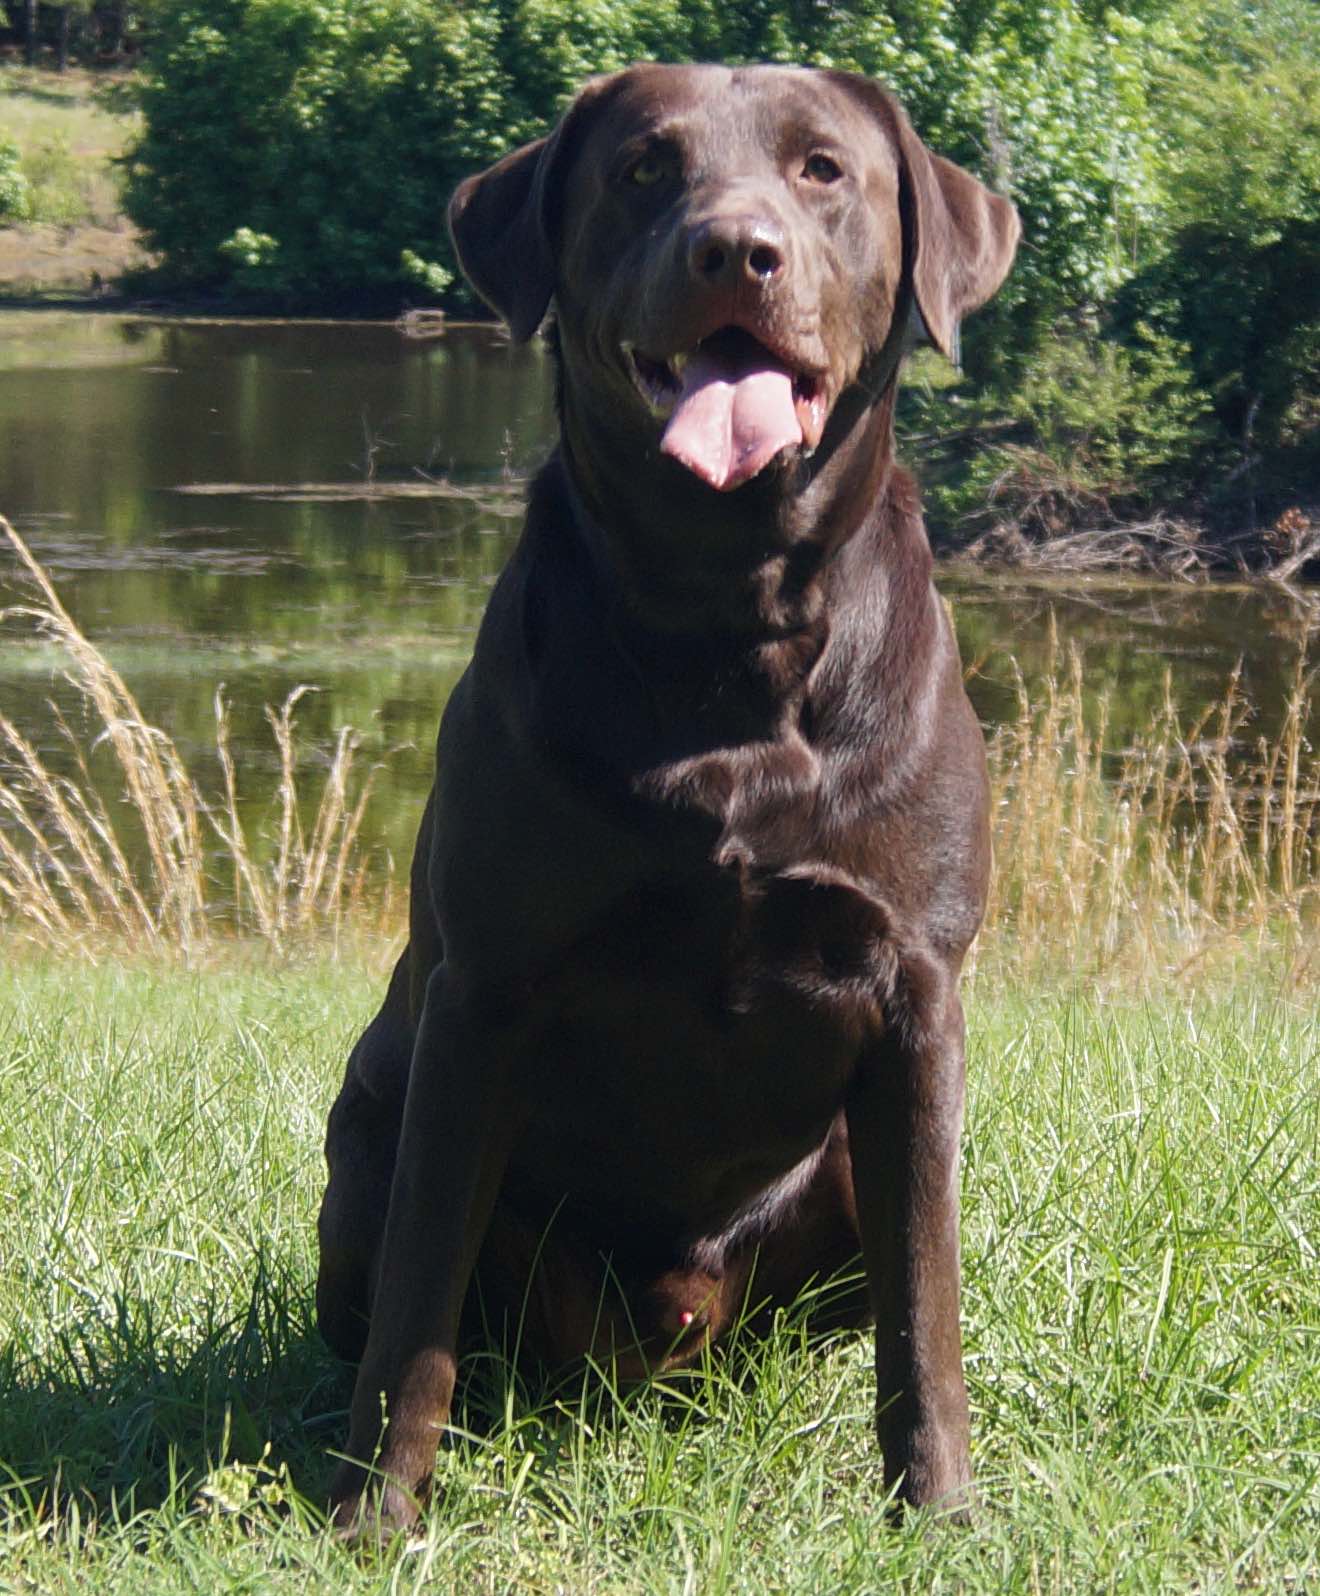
x=302 y=150
x=1091 y=432
x=1195 y=389
x=15 y=199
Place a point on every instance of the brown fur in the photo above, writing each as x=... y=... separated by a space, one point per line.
x=677 y=1028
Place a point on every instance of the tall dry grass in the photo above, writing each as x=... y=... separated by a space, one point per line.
x=171 y=867
x=1192 y=844
x=1155 y=860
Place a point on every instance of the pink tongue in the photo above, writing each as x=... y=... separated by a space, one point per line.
x=732 y=418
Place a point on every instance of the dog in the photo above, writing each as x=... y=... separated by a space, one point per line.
x=677 y=1030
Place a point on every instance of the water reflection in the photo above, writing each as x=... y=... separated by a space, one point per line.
x=375 y=600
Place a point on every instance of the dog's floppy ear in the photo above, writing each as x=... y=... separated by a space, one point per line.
x=961 y=237
x=503 y=221
x=966 y=238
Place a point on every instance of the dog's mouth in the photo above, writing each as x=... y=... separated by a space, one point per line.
x=732 y=405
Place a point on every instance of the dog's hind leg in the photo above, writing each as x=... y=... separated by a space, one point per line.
x=806 y=1254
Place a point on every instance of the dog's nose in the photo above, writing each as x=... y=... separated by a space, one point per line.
x=731 y=249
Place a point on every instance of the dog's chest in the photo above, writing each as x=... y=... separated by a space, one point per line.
x=700 y=1040
x=712 y=1017
x=744 y=934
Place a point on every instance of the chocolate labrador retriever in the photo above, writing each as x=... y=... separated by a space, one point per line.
x=677 y=1029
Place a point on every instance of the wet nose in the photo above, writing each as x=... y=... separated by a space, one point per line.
x=727 y=250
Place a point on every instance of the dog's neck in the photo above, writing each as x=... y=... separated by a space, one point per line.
x=698 y=569
x=726 y=604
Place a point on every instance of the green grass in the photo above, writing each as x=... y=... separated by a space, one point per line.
x=1142 y=1306
x=68 y=130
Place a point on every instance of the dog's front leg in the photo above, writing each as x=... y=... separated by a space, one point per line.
x=904 y=1123
x=459 y=1121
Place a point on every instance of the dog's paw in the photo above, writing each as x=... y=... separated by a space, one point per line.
x=369 y=1507
x=931 y=1470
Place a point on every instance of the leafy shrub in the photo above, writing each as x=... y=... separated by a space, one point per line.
x=14 y=195
x=1196 y=388
x=296 y=149
x=1092 y=431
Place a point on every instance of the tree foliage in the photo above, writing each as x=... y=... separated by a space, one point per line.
x=1164 y=154
x=1236 y=274
x=296 y=149
x=301 y=146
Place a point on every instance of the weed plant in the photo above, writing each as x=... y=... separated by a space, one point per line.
x=1191 y=848
x=65 y=876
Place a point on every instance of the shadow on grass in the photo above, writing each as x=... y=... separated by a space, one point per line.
x=66 y=98
x=117 y=1412
x=121 y=1417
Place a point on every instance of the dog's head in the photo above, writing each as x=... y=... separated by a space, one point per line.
x=729 y=250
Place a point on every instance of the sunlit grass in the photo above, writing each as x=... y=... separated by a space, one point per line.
x=1142 y=1309
x=68 y=136
x=68 y=130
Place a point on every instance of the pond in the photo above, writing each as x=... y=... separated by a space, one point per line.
x=267 y=504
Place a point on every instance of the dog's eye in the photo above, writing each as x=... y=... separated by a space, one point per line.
x=646 y=171
x=820 y=168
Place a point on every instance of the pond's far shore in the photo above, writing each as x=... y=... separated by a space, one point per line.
x=1169 y=545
